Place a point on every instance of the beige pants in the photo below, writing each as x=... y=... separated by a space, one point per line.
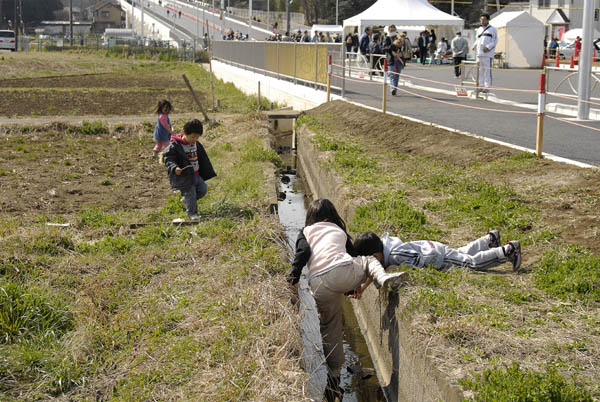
x=328 y=290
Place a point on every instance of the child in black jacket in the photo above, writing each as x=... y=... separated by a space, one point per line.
x=188 y=166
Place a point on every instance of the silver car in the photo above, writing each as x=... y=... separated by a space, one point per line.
x=7 y=40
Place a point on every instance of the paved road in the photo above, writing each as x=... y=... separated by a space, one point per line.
x=193 y=19
x=514 y=125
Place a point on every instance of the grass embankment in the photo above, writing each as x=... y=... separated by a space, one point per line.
x=528 y=336
x=96 y=84
x=98 y=311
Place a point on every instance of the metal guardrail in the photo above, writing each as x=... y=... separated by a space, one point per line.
x=296 y=61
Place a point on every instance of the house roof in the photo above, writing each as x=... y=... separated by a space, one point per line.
x=104 y=4
x=558 y=17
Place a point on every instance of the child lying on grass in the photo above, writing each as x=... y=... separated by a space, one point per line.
x=480 y=255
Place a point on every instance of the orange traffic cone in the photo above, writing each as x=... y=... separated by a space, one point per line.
x=572 y=64
x=557 y=58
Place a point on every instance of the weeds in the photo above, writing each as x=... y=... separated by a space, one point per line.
x=521 y=385
x=570 y=273
x=94 y=127
x=30 y=315
x=392 y=213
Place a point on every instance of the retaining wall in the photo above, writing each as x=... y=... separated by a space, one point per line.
x=403 y=369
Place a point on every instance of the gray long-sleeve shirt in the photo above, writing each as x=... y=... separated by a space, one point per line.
x=459 y=47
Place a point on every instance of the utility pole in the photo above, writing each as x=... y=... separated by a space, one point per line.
x=16 y=28
x=287 y=11
x=585 y=61
x=70 y=22
x=249 y=18
x=336 y=11
x=142 y=34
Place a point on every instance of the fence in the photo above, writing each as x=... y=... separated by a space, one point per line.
x=306 y=62
x=193 y=51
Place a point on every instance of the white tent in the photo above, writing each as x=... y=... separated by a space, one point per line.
x=402 y=12
x=571 y=34
x=520 y=39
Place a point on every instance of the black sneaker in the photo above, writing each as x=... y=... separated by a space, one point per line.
x=494 y=239
x=393 y=92
x=514 y=255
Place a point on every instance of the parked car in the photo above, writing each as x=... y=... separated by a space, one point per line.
x=566 y=49
x=7 y=40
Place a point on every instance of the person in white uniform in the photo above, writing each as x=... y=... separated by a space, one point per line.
x=480 y=255
x=486 y=39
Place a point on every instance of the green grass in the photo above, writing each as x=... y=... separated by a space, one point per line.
x=31 y=315
x=570 y=273
x=392 y=213
x=514 y=383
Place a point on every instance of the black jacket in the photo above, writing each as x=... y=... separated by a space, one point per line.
x=175 y=157
x=303 y=253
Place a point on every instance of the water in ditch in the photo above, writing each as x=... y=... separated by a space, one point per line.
x=358 y=378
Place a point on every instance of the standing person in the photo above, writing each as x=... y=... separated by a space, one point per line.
x=577 y=47
x=405 y=48
x=459 y=47
x=376 y=52
x=432 y=41
x=348 y=41
x=188 y=166
x=422 y=44
x=363 y=45
x=485 y=46
x=326 y=249
x=305 y=37
x=390 y=37
x=355 y=41
x=315 y=37
x=395 y=64
x=480 y=255
x=163 y=129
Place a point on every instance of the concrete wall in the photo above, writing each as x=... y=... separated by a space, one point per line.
x=283 y=92
x=403 y=369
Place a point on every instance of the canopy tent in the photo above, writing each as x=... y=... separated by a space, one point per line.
x=402 y=12
x=520 y=39
x=330 y=29
x=571 y=34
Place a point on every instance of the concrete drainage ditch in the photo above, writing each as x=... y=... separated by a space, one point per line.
x=358 y=379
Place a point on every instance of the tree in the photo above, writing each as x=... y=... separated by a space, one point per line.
x=33 y=11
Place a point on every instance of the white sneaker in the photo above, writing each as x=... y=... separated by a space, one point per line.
x=178 y=220
x=194 y=217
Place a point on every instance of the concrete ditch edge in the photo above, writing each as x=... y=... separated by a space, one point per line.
x=403 y=368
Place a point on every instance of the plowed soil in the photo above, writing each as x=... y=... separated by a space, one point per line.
x=93 y=95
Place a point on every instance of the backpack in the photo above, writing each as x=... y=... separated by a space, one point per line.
x=349 y=40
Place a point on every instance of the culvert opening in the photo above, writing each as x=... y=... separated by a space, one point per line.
x=358 y=377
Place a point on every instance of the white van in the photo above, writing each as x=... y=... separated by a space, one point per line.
x=7 y=40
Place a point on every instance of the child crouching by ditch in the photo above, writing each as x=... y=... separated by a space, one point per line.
x=333 y=269
x=188 y=166
x=480 y=255
x=163 y=129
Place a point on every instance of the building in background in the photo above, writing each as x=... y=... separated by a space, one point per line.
x=558 y=16
x=107 y=15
